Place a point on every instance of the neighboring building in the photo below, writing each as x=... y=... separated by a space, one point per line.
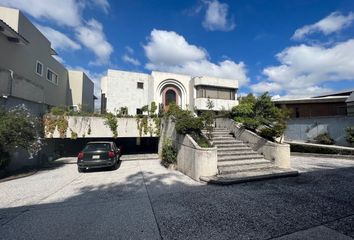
x=310 y=117
x=334 y=104
x=134 y=90
x=29 y=74
x=81 y=91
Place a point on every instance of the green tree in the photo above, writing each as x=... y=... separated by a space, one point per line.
x=261 y=115
x=153 y=108
x=17 y=130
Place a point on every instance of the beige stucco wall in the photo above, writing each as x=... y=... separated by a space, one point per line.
x=81 y=90
x=127 y=127
x=21 y=59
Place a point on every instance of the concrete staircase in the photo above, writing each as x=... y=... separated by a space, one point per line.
x=238 y=163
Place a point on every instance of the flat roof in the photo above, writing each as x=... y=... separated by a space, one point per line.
x=329 y=99
x=337 y=93
x=11 y=33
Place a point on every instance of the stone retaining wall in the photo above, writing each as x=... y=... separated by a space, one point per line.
x=192 y=160
x=277 y=153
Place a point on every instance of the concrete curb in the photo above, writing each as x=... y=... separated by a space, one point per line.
x=218 y=181
x=300 y=154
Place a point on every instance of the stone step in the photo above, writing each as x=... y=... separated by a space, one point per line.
x=223 y=141
x=234 y=148
x=248 y=176
x=213 y=138
x=233 y=169
x=236 y=153
x=242 y=162
x=240 y=157
x=229 y=144
x=221 y=133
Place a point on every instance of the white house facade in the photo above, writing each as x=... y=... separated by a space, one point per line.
x=134 y=90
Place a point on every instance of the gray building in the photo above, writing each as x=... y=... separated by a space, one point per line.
x=30 y=75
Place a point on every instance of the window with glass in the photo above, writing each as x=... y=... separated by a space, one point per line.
x=140 y=85
x=52 y=76
x=215 y=92
x=39 y=68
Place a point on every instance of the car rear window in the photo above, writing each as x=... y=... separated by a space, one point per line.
x=97 y=146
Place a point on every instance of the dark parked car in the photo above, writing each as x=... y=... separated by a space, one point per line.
x=98 y=155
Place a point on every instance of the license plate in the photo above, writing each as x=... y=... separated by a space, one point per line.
x=95 y=156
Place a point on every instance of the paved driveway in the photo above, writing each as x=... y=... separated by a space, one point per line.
x=142 y=200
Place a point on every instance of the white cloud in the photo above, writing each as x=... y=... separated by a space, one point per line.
x=216 y=17
x=168 y=51
x=92 y=36
x=330 y=24
x=58 y=39
x=129 y=50
x=65 y=12
x=128 y=59
x=103 y=4
x=303 y=69
x=170 y=48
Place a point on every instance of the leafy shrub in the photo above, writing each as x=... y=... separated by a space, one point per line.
x=350 y=134
x=324 y=138
x=59 y=110
x=200 y=140
x=112 y=123
x=186 y=123
x=17 y=129
x=169 y=154
x=260 y=115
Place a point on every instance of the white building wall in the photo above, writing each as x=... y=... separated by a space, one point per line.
x=122 y=91
x=181 y=81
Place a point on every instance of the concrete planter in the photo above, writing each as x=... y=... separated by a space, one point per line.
x=192 y=160
x=277 y=153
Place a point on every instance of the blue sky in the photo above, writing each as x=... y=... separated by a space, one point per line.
x=289 y=48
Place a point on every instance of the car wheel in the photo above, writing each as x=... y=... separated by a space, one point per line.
x=80 y=170
x=115 y=166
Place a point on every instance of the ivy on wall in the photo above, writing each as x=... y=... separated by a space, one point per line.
x=52 y=122
x=112 y=123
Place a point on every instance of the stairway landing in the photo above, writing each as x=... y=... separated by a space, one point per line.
x=237 y=162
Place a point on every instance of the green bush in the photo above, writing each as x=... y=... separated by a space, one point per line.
x=169 y=154
x=350 y=134
x=324 y=138
x=17 y=129
x=261 y=116
x=187 y=123
x=112 y=123
x=200 y=140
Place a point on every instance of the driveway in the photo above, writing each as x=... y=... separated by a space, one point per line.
x=143 y=200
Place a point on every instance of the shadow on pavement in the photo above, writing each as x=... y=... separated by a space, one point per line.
x=186 y=209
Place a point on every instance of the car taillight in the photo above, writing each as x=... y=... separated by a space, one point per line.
x=111 y=154
x=80 y=156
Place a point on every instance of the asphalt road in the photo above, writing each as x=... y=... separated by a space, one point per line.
x=143 y=200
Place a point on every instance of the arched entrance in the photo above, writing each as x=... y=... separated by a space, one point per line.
x=171 y=90
x=170 y=97
x=170 y=94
